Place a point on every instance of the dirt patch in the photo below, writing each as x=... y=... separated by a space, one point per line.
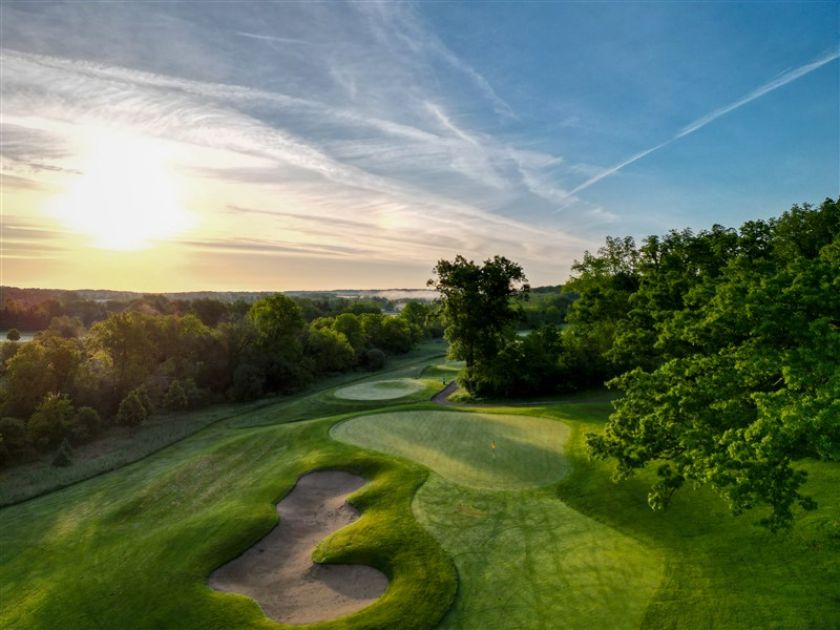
x=278 y=571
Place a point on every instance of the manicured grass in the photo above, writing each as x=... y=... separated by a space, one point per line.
x=444 y=372
x=380 y=390
x=721 y=572
x=539 y=534
x=473 y=449
x=133 y=549
x=527 y=560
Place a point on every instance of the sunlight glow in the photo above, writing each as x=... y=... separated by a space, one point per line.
x=127 y=196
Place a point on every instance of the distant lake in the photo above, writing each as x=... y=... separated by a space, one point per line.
x=24 y=336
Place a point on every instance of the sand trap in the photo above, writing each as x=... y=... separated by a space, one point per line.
x=278 y=571
x=380 y=390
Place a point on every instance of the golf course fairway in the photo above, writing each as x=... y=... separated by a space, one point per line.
x=532 y=559
x=479 y=450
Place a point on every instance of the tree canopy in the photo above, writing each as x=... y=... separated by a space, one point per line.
x=477 y=308
x=736 y=336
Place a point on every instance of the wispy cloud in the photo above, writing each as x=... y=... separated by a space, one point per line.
x=775 y=84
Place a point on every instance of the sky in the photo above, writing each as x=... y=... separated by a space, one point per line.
x=321 y=145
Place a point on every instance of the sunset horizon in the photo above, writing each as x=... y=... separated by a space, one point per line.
x=177 y=147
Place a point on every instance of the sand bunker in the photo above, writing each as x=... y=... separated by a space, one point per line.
x=380 y=390
x=278 y=571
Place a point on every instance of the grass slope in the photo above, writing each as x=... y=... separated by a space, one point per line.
x=473 y=449
x=133 y=549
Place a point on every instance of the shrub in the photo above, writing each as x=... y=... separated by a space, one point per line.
x=132 y=411
x=89 y=417
x=52 y=421
x=175 y=398
x=88 y=421
x=13 y=335
x=64 y=454
x=142 y=393
x=373 y=359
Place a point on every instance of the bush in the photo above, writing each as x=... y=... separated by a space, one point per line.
x=52 y=421
x=13 y=335
x=64 y=454
x=88 y=423
x=142 y=393
x=372 y=359
x=89 y=417
x=132 y=411
x=175 y=398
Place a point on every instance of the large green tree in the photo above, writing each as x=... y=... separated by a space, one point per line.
x=478 y=308
x=744 y=381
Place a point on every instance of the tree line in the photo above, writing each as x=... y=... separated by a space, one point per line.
x=70 y=382
x=723 y=345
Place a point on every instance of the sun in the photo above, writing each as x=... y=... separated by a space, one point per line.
x=127 y=196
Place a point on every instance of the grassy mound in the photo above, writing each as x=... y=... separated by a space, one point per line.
x=380 y=390
x=474 y=449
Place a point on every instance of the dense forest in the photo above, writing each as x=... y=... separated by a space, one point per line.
x=723 y=346
x=96 y=364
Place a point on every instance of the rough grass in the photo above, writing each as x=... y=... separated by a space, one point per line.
x=380 y=390
x=118 y=447
x=478 y=450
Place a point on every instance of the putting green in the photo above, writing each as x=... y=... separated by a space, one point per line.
x=380 y=390
x=481 y=450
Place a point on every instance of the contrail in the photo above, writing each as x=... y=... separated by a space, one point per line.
x=787 y=77
x=272 y=38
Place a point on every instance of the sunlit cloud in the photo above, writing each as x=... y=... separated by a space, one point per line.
x=241 y=146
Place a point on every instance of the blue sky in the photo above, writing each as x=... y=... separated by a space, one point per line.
x=322 y=145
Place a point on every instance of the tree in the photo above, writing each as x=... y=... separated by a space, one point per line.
x=248 y=382
x=477 y=307
x=349 y=325
x=280 y=326
x=330 y=350
x=746 y=381
x=13 y=335
x=13 y=432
